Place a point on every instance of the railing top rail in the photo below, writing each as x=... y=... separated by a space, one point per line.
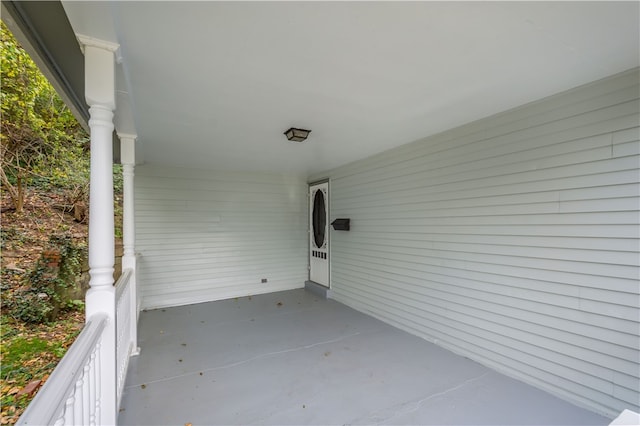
x=48 y=402
x=122 y=282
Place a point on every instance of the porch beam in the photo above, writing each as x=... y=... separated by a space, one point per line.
x=100 y=298
x=128 y=160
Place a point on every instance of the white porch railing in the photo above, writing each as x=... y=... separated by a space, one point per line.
x=126 y=313
x=71 y=396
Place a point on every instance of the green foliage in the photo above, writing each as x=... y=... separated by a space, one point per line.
x=38 y=303
x=117 y=201
x=7 y=234
x=48 y=292
x=29 y=353
x=76 y=305
x=15 y=354
x=33 y=308
x=117 y=178
x=71 y=258
x=42 y=142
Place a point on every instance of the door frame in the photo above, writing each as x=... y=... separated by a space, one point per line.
x=310 y=230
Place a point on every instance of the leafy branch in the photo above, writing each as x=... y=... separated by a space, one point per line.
x=42 y=143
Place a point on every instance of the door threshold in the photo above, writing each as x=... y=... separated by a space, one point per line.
x=317 y=289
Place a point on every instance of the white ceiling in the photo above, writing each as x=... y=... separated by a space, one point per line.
x=215 y=84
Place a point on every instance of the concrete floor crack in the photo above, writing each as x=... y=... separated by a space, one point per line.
x=254 y=358
x=390 y=413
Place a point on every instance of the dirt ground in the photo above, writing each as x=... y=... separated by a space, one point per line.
x=31 y=351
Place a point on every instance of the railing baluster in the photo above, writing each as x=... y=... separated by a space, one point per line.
x=86 y=383
x=98 y=387
x=92 y=389
x=123 y=334
x=78 y=400
x=70 y=412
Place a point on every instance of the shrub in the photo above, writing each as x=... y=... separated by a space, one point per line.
x=32 y=307
x=51 y=285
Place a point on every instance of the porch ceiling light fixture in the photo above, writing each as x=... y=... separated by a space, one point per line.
x=297 y=135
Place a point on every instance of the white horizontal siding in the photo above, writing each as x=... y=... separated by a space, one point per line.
x=513 y=240
x=206 y=235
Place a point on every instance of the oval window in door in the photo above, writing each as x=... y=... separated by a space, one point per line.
x=319 y=218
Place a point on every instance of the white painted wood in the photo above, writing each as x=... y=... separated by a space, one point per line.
x=126 y=331
x=128 y=159
x=368 y=76
x=513 y=240
x=100 y=298
x=627 y=417
x=71 y=395
x=206 y=235
x=99 y=73
x=319 y=250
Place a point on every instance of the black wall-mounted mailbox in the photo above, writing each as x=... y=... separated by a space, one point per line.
x=341 y=224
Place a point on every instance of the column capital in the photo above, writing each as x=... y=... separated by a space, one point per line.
x=131 y=136
x=127 y=148
x=99 y=71
x=87 y=41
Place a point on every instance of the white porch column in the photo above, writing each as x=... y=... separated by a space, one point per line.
x=100 y=299
x=128 y=160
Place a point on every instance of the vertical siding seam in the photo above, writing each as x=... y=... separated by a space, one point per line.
x=611 y=139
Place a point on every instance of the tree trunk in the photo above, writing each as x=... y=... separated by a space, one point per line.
x=15 y=192
x=19 y=202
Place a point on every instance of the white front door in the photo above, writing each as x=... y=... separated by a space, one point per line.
x=319 y=233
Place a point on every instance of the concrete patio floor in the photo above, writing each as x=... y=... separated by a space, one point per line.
x=292 y=358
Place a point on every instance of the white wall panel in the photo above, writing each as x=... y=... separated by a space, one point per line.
x=513 y=240
x=207 y=235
